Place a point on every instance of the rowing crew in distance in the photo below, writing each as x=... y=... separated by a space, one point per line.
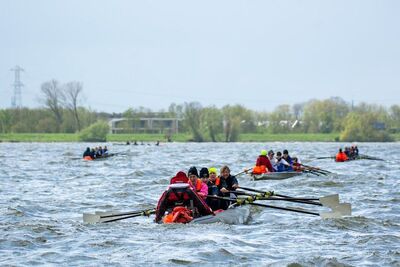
x=95 y=153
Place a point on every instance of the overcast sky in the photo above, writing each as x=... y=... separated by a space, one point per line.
x=152 y=53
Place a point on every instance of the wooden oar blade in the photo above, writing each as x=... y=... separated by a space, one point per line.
x=330 y=201
x=91 y=218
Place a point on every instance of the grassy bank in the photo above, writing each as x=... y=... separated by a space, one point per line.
x=292 y=137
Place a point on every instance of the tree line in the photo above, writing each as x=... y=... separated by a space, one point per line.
x=62 y=112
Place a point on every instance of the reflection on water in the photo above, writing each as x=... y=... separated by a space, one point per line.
x=45 y=188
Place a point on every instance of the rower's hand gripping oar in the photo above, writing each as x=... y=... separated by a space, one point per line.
x=96 y=218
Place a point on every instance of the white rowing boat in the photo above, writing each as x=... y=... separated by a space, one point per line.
x=275 y=175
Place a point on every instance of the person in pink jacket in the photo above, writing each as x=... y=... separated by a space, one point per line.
x=196 y=184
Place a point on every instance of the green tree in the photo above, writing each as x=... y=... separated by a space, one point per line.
x=280 y=120
x=192 y=118
x=325 y=116
x=361 y=127
x=96 y=132
x=234 y=117
x=212 y=122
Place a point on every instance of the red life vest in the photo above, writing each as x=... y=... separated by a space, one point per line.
x=179 y=215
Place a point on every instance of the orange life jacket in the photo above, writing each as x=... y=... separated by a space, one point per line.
x=259 y=169
x=340 y=157
x=178 y=215
x=87 y=158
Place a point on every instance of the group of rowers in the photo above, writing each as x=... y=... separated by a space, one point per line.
x=195 y=194
x=282 y=162
x=196 y=190
x=95 y=152
x=135 y=143
x=349 y=153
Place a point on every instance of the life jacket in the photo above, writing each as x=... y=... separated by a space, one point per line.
x=198 y=185
x=179 y=214
x=180 y=194
x=297 y=167
x=340 y=157
x=259 y=169
x=87 y=158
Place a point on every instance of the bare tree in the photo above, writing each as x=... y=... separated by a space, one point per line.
x=54 y=98
x=71 y=92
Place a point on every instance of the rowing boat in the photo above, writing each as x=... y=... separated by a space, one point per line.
x=275 y=175
x=88 y=158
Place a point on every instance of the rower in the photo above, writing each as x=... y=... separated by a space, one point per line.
x=215 y=184
x=86 y=153
x=204 y=175
x=105 y=151
x=99 y=153
x=263 y=163
x=93 y=153
x=286 y=157
x=341 y=156
x=272 y=159
x=282 y=164
x=297 y=165
x=196 y=184
x=231 y=184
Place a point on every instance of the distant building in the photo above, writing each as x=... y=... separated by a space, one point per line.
x=145 y=125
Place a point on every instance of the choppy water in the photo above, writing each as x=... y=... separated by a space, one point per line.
x=45 y=188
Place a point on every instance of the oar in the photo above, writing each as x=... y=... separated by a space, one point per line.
x=331 y=157
x=260 y=197
x=95 y=218
x=312 y=172
x=316 y=169
x=245 y=171
x=328 y=201
x=324 y=215
x=369 y=157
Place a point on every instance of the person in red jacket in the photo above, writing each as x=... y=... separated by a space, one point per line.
x=341 y=156
x=263 y=160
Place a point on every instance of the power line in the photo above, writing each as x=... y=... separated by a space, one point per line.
x=16 y=101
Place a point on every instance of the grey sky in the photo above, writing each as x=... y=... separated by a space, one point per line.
x=152 y=53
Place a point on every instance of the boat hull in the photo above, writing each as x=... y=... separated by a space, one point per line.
x=275 y=175
x=236 y=215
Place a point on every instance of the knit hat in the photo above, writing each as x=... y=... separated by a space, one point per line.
x=204 y=173
x=263 y=152
x=193 y=171
x=212 y=170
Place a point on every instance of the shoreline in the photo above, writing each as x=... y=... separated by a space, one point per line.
x=62 y=137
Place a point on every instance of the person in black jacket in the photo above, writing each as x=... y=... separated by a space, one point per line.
x=231 y=183
x=87 y=152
